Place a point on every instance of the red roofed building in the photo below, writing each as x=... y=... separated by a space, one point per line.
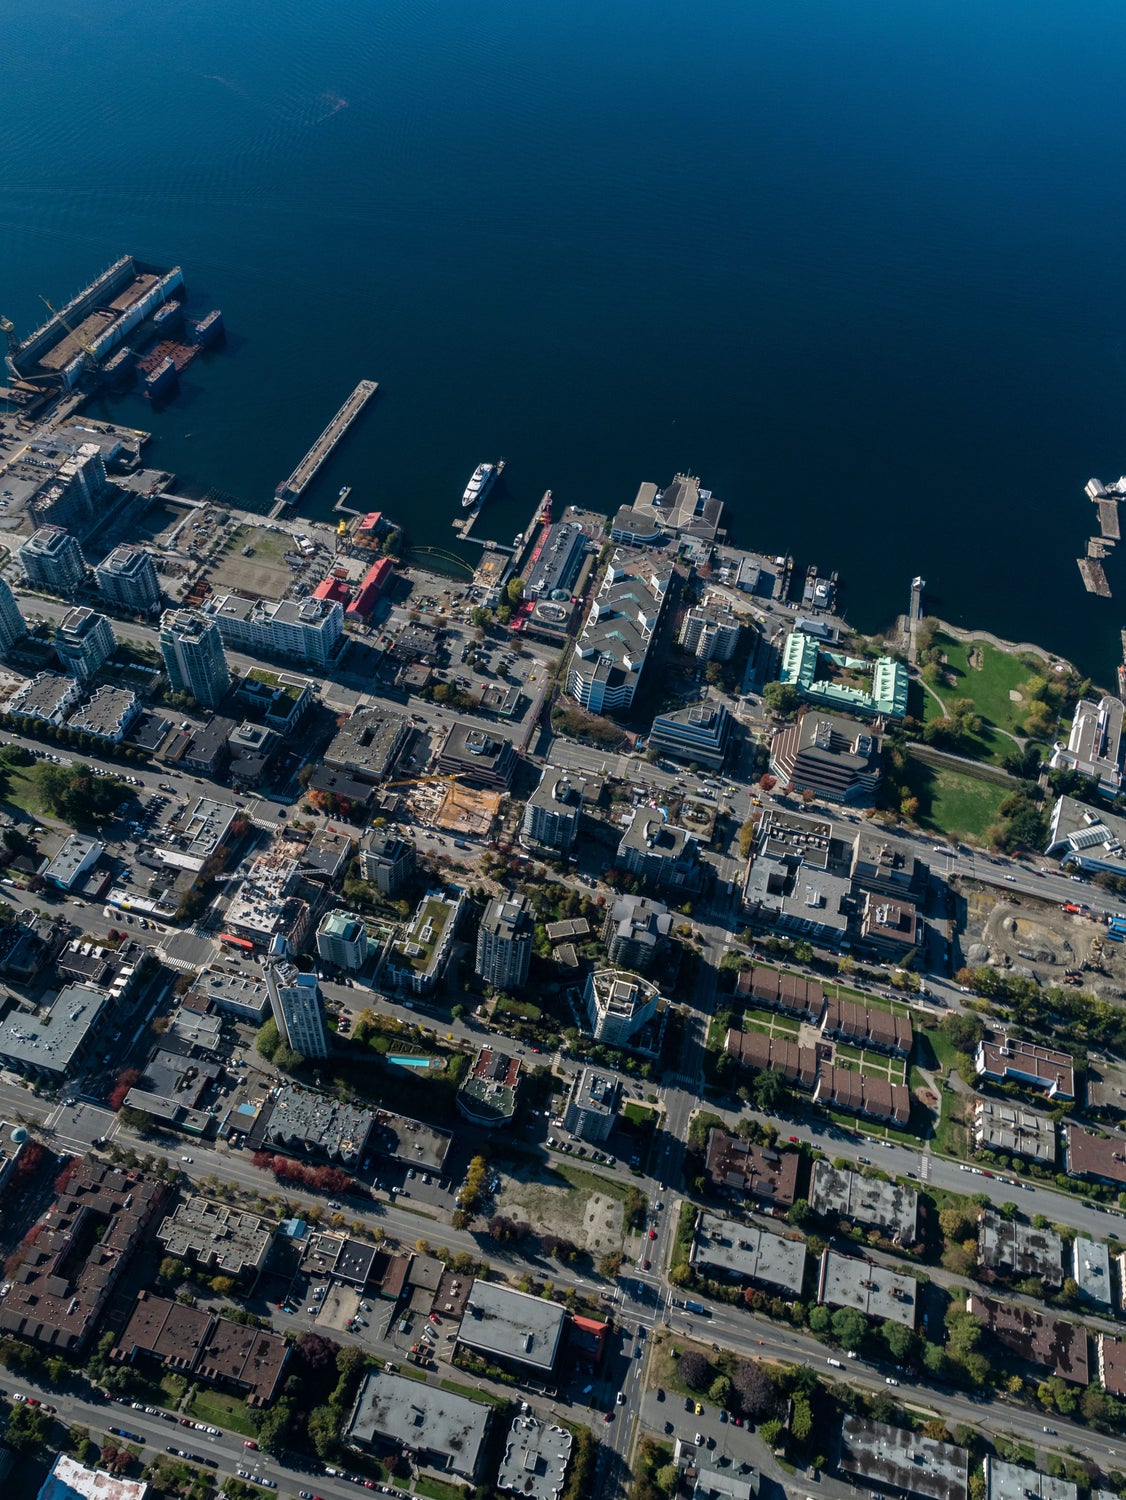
x=333 y=588
x=372 y=523
x=588 y=1337
x=375 y=580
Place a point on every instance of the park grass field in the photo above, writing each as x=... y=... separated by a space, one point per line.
x=989 y=685
x=954 y=802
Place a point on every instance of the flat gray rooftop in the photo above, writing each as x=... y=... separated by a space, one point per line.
x=512 y=1325
x=408 y=1140
x=1004 y=1481
x=436 y=1423
x=1006 y=1244
x=867 y=1200
x=873 y=1290
x=217 y=1235
x=302 y=1118
x=535 y=1459
x=1090 y=1266
x=744 y=1250
x=51 y=1041
x=895 y=1459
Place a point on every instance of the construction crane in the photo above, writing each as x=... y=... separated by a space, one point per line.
x=418 y=780
x=88 y=350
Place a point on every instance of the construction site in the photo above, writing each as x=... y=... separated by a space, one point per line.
x=447 y=803
x=1055 y=944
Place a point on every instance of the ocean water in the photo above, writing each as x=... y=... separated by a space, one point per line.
x=855 y=262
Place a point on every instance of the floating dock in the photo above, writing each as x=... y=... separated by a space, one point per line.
x=463 y=525
x=294 y=487
x=1094 y=578
x=1108 y=520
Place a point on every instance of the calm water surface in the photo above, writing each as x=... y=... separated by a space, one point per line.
x=858 y=264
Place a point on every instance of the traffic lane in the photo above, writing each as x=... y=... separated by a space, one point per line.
x=924 y=1168
x=993 y=1412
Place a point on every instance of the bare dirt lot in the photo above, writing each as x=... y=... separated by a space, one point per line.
x=264 y=571
x=1026 y=936
x=550 y=1204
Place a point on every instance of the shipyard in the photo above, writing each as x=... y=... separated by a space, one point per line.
x=406 y=918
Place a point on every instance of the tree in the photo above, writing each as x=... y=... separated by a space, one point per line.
x=820 y=1319
x=323 y=1427
x=28 y=1429
x=273 y=1426
x=719 y=1392
x=769 y=1091
x=268 y=1040
x=900 y=1340
x=515 y=590
x=695 y=1370
x=770 y=1431
x=172 y=1270
x=955 y=1223
x=222 y=1286
x=126 y=1080
x=781 y=698
x=963 y=1332
x=963 y=1032
x=799 y=1213
x=934 y=1360
x=801 y=1421
x=753 y=1388
x=850 y=1328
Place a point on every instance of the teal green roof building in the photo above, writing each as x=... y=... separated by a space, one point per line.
x=802 y=658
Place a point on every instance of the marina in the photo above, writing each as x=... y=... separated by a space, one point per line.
x=1105 y=498
x=291 y=490
x=463 y=524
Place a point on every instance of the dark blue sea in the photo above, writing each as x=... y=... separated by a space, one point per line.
x=858 y=263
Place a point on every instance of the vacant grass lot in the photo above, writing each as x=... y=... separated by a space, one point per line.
x=953 y=802
x=23 y=791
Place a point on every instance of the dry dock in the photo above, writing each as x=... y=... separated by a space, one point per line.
x=294 y=487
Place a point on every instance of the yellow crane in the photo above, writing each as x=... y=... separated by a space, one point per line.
x=417 y=780
x=80 y=339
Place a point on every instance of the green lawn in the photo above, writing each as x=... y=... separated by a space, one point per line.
x=172 y=1387
x=490 y=1398
x=524 y=1008
x=591 y=1182
x=953 y=802
x=271 y=545
x=437 y=1489
x=989 y=686
x=769 y=1022
x=862 y=1060
x=945 y=1053
x=222 y=1410
x=637 y=1114
x=909 y=1137
x=23 y=791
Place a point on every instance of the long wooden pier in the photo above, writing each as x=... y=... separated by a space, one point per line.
x=294 y=487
